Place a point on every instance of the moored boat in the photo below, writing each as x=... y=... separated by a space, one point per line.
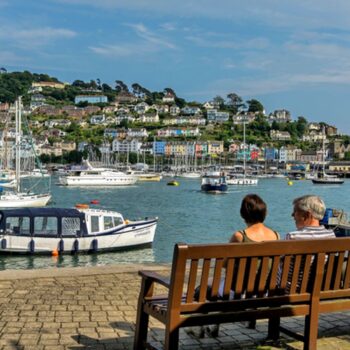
x=45 y=230
x=214 y=182
x=91 y=176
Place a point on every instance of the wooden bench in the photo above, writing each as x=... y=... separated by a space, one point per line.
x=270 y=280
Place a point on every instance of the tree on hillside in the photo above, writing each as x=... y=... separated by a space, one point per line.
x=169 y=91
x=106 y=88
x=235 y=102
x=301 y=126
x=255 y=106
x=219 y=100
x=120 y=86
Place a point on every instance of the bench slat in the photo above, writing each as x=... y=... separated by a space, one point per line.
x=253 y=269
x=306 y=272
x=347 y=274
x=239 y=288
x=263 y=277
x=204 y=280
x=228 y=278
x=337 y=280
x=216 y=278
x=329 y=272
x=295 y=274
x=274 y=275
x=192 y=281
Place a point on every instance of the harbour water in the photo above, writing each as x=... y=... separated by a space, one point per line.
x=185 y=215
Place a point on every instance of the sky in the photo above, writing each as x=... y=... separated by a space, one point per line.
x=286 y=54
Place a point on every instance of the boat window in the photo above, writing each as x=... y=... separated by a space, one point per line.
x=70 y=226
x=18 y=225
x=94 y=224
x=45 y=226
x=108 y=222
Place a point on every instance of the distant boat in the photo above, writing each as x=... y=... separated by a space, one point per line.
x=144 y=176
x=190 y=175
x=242 y=181
x=17 y=197
x=245 y=181
x=91 y=176
x=323 y=178
x=214 y=181
x=64 y=230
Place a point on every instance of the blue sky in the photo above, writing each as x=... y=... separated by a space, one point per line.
x=287 y=54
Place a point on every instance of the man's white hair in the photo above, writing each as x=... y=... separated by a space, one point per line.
x=312 y=204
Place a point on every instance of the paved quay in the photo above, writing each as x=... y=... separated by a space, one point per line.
x=95 y=307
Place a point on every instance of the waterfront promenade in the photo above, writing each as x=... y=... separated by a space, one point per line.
x=95 y=308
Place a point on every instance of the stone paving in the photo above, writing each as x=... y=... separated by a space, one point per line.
x=94 y=308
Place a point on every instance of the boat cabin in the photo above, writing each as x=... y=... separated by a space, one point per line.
x=43 y=222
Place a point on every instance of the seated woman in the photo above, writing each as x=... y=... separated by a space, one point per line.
x=253 y=212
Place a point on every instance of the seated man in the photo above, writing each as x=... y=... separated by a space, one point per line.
x=307 y=212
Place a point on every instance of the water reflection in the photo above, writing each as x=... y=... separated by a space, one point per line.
x=8 y=262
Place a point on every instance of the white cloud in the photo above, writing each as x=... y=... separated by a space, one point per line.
x=150 y=43
x=34 y=37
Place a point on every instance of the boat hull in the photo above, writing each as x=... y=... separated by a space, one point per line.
x=242 y=182
x=327 y=181
x=221 y=188
x=130 y=236
x=13 y=200
x=97 y=181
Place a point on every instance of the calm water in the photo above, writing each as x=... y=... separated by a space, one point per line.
x=185 y=215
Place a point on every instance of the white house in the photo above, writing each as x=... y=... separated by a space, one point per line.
x=138 y=133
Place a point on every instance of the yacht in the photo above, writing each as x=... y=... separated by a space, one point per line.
x=97 y=177
x=323 y=178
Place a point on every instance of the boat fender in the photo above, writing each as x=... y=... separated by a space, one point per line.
x=3 y=243
x=76 y=246
x=61 y=245
x=94 y=245
x=55 y=252
x=32 y=246
x=126 y=222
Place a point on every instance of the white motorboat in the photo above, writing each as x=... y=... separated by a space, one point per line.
x=244 y=181
x=63 y=230
x=97 y=177
x=190 y=175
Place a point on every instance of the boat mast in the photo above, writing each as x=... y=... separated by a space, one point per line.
x=323 y=152
x=18 y=142
x=244 y=160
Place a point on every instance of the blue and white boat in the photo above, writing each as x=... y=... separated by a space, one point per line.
x=214 y=181
x=75 y=230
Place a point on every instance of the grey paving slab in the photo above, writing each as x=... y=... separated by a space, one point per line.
x=95 y=308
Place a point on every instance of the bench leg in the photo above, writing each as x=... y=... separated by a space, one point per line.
x=171 y=339
x=141 y=329
x=274 y=328
x=310 y=332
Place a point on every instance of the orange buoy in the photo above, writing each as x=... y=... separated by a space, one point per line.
x=82 y=206
x=95 y=201
x=55 y=252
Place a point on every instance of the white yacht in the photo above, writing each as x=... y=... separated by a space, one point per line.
x=97 y=177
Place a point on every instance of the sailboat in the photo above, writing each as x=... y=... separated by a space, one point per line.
x=245 y=181
x=18 y=198
x=326 y=179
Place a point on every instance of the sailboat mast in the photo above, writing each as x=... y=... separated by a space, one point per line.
x=244 y=160
x=323 y=152
x=18 y=142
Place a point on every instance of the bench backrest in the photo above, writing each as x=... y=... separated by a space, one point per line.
x=298 y=270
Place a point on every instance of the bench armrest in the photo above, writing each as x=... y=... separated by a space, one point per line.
x=155 y=277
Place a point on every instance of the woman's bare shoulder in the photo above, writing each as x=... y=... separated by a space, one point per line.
x=237 y=237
